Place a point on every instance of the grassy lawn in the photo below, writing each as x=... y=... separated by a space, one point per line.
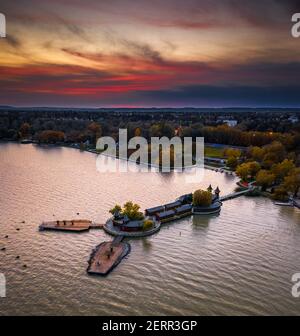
x=213 y=152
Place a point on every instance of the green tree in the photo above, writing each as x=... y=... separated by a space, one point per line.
x=131 y=210
x=147 y=224
x=116 y=209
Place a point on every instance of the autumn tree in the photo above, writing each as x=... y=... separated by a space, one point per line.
x=96 y=131
x=138 y=132
x=248 y=169
x=24 y=130
x=254 y=168
x=292 y=182
x=282 y=169
x=232 y=162
x=232 y=152
x=274 y=153
x=202 y=198
x=50 y=136
x=265 y=179
x=257 y=153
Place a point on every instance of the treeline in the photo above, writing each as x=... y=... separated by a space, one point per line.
x=52 y=126
x=277 y=121
x=271 y=166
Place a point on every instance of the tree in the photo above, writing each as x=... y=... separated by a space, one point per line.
x=265 y=178
x=280 y=194
x=116 y=209
x=138 y=132
x=96 y=131
x=232 y=162
x=274 y=153
x=147 y=224
x=292 y=182
x=257 y=153
x=24 y=130
x=232 y=152
x=51 y=136
x=202 y=198
x=131 y=210
x=243 y=171
x=248 y=169
x=282 y=169
x=254 y=168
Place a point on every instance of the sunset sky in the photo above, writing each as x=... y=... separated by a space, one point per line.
x=163 y=53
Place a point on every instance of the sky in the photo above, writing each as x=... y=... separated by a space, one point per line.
x=150 y=53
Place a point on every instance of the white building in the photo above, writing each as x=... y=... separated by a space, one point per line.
x=293 y=119
x=230 y=123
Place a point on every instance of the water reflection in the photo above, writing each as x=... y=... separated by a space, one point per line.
x=202 y=221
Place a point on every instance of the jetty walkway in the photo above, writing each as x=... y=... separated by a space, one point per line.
x=236 y=194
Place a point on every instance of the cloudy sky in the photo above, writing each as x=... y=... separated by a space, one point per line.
x=129 y=53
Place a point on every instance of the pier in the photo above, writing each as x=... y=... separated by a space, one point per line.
x=106 y=256
x=75 y=225
x=235 y=194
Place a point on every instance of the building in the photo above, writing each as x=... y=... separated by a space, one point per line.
x=294 y=119
x=230 y=123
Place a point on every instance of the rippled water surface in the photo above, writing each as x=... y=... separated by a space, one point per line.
x=240 y=262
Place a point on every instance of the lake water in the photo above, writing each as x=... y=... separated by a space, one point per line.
x=240 y=262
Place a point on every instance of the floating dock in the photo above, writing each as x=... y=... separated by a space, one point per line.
x=107 y=255
x=75 y=225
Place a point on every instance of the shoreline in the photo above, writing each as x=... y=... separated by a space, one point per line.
x=94 y=151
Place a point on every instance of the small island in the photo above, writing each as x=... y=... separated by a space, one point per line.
x=129 y=221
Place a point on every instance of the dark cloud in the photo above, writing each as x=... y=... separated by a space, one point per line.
x=13 y=41
x=203 y=95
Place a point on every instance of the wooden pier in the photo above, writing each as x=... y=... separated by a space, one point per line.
x=106 y=256
x=75 y=225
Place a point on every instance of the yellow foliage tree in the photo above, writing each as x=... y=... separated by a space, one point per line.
x=202 y=198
